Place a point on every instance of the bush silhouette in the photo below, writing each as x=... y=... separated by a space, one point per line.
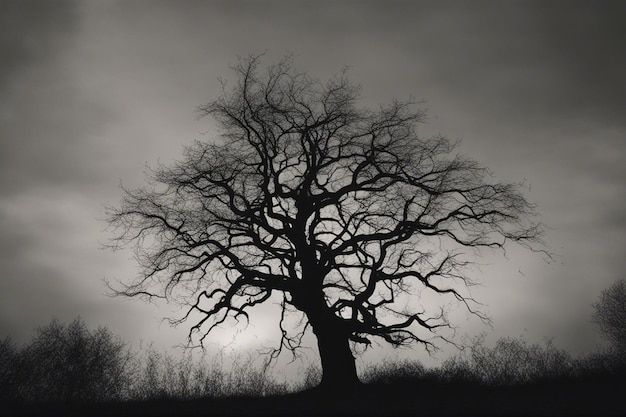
x=72 y=363
x=159 y=376
x=511 y=361
x=394 y=372
x=610 y=315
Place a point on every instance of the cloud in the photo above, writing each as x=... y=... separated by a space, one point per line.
x=92 y=90
x=32 y=31
x=46 y=122
x=523 y=63
x=49 y=169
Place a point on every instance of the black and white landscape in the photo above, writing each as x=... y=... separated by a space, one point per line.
x=312 y=208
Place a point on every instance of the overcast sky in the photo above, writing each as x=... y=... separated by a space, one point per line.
x=91 y=91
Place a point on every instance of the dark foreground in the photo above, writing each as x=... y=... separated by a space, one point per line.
x=589 y=397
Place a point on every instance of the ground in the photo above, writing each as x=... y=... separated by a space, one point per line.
x=588 y=397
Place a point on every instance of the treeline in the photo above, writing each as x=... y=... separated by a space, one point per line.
x=71 y=363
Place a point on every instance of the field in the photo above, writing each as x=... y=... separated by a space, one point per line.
x=572 y=397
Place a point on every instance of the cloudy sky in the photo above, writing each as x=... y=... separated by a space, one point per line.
x=92 y=91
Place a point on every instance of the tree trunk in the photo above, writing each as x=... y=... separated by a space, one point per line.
x=338 y=365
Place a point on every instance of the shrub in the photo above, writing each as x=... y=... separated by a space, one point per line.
x=610 y=314
x=72 y=363
x=393 y=372
x=611 y=362
x=510 y=361
x=159 y=376
x=312 y=378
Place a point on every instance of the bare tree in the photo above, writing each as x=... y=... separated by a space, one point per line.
x=610 y=314
x=341 y=214
x=72 y=363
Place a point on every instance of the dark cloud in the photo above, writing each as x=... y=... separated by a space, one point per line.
x=585 y=40
x=47 y=158
x=29 y=289
x=87 y=94
x=530 y=62
x=32 y=31
x=46 y=122
x=31 y=35
x=524 y=62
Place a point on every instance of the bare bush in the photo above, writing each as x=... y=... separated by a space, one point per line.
x=159 y=376
x=72 y=363
x=607 y=363
x=393 y=372
x=312 y=377
x=510 y=361
x=610 y=315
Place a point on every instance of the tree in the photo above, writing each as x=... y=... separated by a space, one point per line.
x=341 y=214
x=610 y=314
x=71 y=362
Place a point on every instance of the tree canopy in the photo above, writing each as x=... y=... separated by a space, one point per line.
x=344 y=215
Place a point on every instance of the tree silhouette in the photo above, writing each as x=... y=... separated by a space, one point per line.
x=342 y=215
x=72 y=363
x=610 y=314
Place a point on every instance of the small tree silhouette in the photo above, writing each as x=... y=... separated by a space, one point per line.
x=72 y=363
x=339 y=214
x=610 y=314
